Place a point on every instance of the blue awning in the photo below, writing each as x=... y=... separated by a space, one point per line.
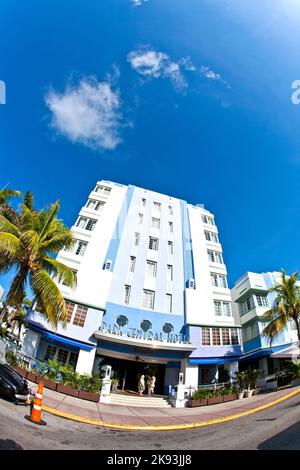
x=263 y=353
x=212 y=360
x=63 y=339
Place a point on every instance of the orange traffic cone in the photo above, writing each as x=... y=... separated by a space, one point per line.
x=36 y=410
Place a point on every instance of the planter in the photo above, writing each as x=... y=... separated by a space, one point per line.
x=214 y=400
x=200 y=402
x=249 y=393
x=31 y=376
x=231 y=397
x=89 y=396
x=114 y=387
x=67 y=390
x=241 y=395
x=47 y=383
x=22 y=372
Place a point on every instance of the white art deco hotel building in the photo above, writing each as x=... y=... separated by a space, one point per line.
x=151 y=294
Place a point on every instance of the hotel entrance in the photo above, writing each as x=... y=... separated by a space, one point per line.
x=128 y=373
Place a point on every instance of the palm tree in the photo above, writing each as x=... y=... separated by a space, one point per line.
x=286 y=307
x=17 y=317
x=28 y=247
x=5 y=208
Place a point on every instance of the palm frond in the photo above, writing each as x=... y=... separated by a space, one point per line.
x=67 y=274
x=8 y=226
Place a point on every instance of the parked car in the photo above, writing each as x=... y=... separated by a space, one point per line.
x=13 y=386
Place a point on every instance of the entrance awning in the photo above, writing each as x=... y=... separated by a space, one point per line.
x=265 y=353
x=212 y=360
x=287 y=353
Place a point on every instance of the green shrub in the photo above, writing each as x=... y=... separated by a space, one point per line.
x=201 y=394
x=11 y=358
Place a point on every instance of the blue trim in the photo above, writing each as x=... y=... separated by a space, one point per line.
x=212 y=360
x=187 y=247
x=63 y=339
x=119 y=227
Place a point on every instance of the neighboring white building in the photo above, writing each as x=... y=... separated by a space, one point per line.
x=251 y=299
x=151 y=293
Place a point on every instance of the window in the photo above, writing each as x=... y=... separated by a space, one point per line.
x=62 y=356
x=157 y=206
x=169 y=273
x=70 y=309
x=127 y=294
x=136 y=239
x=234 y=336
x=218 y=307
x=170 y=210
x=250 y=331
x=205 y=336
x=208 y=220
x=104 y=190
x=246 y=306
x=85 y=223
x=146 y=325
x=168 y=328
x=151 y=267
x=211 y=236
x=132 y=264
x=262 y=300
x=73 y=359
x=225 y=336
x=155 y=223
x=222 y=308
x=170 y=248
x=50 y=352
x=168 y=303
x=148 y=299
x=80 y=315
x=215 y=256
x=121 y=319
x=153 y=243
x=216 y=340
x=141 y=218
x=80 y=247
x=170 y=227
x=218 y=280
x=95 y=205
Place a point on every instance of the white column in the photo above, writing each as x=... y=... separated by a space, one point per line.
x=232 y=368
x=190 y=373
x=31 y=343
x=216 y=377
x=263 y=366
x=85 y=361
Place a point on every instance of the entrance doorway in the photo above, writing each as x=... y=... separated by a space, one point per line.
x=128 y=373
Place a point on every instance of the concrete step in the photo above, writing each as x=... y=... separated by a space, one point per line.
x=146 y=402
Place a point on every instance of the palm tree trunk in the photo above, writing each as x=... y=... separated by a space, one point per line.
x=298 y=328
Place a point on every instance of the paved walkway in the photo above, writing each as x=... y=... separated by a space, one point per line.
x=126 y=417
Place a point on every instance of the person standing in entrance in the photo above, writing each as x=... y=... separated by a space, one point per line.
x=152 y=384
x=142 y=385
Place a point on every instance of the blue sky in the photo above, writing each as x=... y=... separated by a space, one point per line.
x=190 y=98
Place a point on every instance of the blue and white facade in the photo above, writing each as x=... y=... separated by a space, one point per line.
x=151 y=292
x=251 y=299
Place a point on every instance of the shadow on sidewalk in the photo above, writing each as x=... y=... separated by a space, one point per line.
x=9 y=444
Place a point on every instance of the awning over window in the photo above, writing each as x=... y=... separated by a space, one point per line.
x=212 y=360
x=63 y=339
x=264 y=352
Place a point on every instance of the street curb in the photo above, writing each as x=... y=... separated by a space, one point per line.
x=168 y=427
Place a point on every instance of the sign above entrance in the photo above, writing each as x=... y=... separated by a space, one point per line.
x=147 y=339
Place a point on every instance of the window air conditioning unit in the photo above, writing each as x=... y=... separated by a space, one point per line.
x=191 y=283
x=107 y=265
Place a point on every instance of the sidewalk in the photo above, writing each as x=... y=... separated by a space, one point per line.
x=123 y=417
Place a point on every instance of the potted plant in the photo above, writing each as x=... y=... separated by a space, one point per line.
x=90 y=387
x=69 y=381
x=240 y=378
x=252 y=376
x=294 y=372
x=114 y=384
x=199 y=398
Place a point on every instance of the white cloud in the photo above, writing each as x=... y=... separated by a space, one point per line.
x=88 y=113
x=137 y=3
x=156 y=64
x=210 y=73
